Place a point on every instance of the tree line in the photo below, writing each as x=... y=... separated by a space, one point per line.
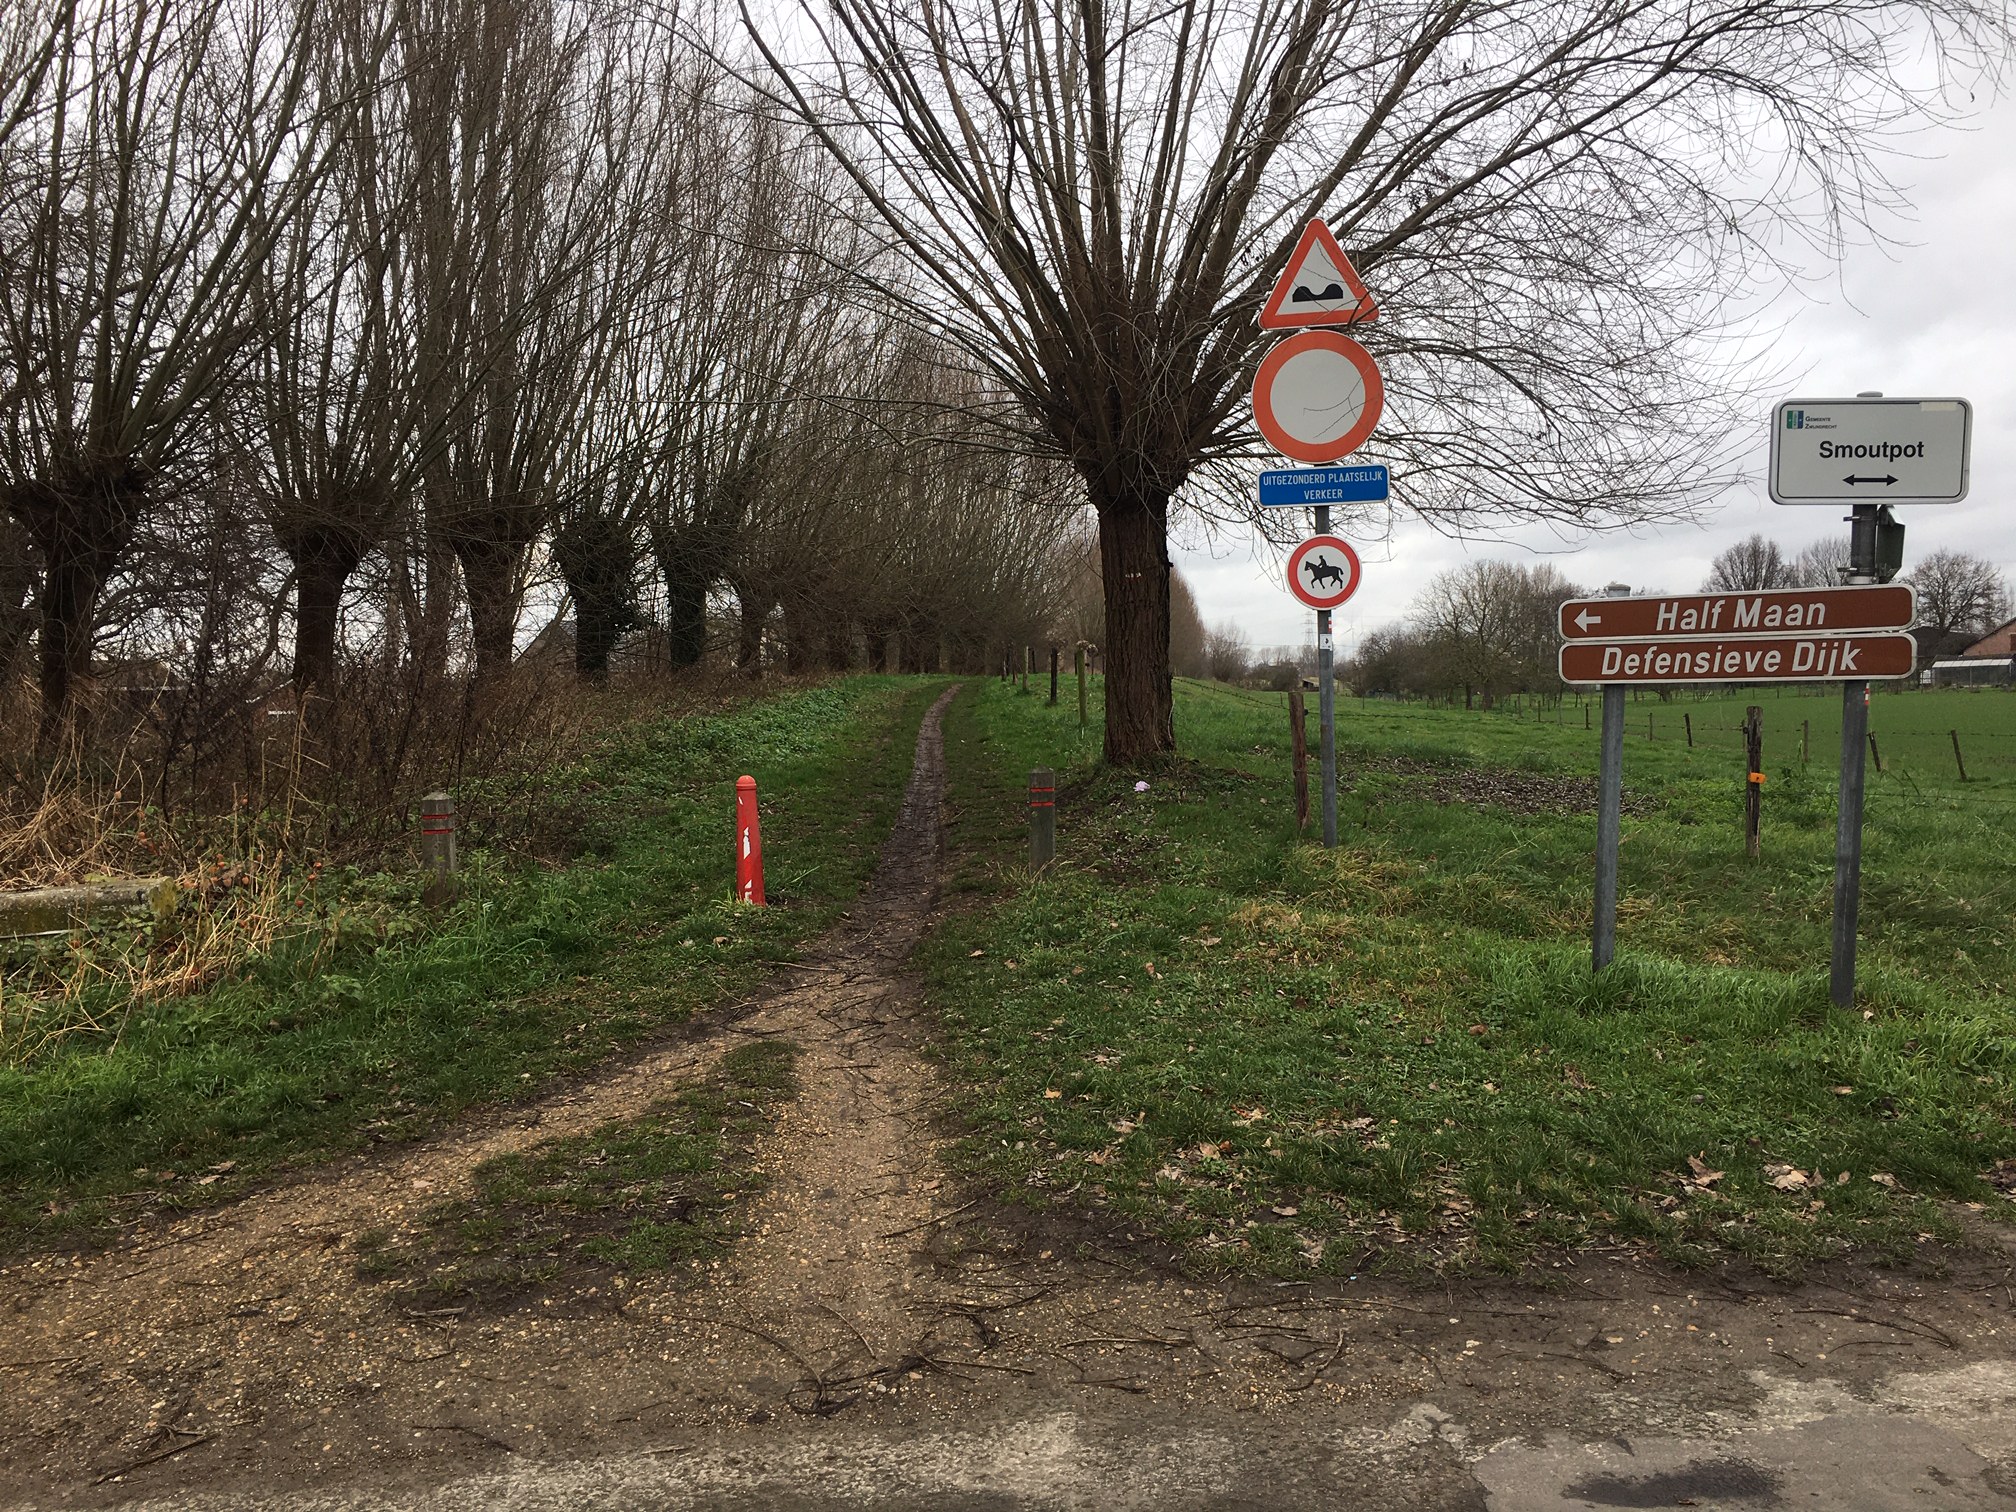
x=1491 y=628
x=336 y=331
x=336 y=334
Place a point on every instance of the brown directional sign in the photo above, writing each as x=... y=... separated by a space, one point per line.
x=1772 y=611
x=1739 y=658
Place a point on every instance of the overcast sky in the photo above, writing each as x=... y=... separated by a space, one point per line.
x=1933 y=317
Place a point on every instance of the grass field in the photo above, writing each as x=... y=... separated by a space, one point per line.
x=535 y=973
x=1914 y=730
x=1286 y=1059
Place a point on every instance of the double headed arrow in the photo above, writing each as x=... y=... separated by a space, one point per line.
x=1886 y=481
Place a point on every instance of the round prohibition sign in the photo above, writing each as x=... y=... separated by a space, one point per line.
x=1323 y=571
x=1317 y=396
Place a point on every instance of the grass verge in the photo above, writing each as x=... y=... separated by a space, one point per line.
x=652 y=1193
x=535 y=974
x=1285 y=1059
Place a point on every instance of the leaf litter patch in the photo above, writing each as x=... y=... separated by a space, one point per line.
x=572 y=1216
x=1520 y=792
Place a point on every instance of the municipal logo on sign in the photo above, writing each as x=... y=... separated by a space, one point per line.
x=1323 y=571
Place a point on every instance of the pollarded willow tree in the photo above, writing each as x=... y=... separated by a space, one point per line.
x=1554 y=200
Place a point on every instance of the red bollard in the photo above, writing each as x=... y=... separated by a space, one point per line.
x=748 y=844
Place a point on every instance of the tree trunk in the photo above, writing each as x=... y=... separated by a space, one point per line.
x=490 y=576
x=685 y=613
x=752 y=611
x=875 y=640
x=839 y=640
x=323 y=561
x=800 y=643
x=1134 y=564
x=81 y=531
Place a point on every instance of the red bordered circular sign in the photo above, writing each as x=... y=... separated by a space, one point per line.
x=1317 y=396
x=1323 y=571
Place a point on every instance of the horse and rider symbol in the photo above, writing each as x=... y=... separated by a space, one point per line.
x=1323 y=571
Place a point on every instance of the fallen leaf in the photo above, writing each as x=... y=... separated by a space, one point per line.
x=1207 y=1151
x=1700 y=1175
x=1479 y=1029
x=974 y=955
x=1285 y=1212
x=1150 y=969
x=1207 y=941
x=1884 y=1179
x=1124 y=1126
x=1051 y=1093
x=1843 y=1091
x=1170 y=1173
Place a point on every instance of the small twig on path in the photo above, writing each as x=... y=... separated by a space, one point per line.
x=1609 y=1370
x=157 y=1456
x=1318 y=1373
x=1910 y=1325
x=928 y=1222
x=475 y=1433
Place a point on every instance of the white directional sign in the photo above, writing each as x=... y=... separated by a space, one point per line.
x=1870 y=451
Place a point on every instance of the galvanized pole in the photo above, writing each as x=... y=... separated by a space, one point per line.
x=1848 y=822
x=1609 y=815
x=1326 y=704
x=1609 y=820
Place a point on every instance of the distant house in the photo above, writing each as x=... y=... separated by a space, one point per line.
x=2001 y=641
x=1987 y=661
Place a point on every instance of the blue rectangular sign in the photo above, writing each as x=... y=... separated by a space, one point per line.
x=1364 y=484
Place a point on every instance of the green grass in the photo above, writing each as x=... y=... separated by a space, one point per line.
x=1914 y=729
x=535 y=973
x=650 y=1193
x=1286 y=1059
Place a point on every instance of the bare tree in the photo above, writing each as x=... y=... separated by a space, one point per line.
x=1752 y=563
x=1490 y=628
x=167 y=147
x=1960 y=598
x=1824 y=564
x=1095 y=198
x=1226 y=652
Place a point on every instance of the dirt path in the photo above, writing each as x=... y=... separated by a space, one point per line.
x=877 y=1321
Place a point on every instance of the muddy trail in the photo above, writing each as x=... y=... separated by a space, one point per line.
x=878 y=1326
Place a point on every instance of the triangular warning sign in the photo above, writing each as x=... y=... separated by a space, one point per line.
x=1320 y=288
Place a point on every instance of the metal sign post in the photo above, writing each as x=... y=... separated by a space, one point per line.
x=1326 y=702
x=1609 y=816
x=1317 y=397
x=1848 y=815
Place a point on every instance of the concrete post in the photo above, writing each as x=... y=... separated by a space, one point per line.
x=1042 y=817
x=438 y=862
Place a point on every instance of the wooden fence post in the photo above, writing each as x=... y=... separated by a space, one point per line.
x=1078 y=659
x=1053 y=677
x=1957 y=760
x=1805 y=740
x=1688 y=720
x=1875 y=753
x=1753 y=797
x=1298 y=746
